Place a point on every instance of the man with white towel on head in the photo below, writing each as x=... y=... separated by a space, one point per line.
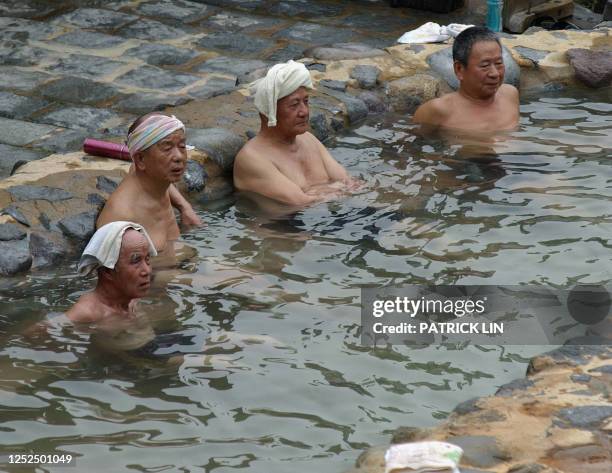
x=120 y=252
x=285 y=162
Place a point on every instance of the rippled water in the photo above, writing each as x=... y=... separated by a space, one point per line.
x=274 y=304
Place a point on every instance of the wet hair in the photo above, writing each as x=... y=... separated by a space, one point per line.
x=464 y=42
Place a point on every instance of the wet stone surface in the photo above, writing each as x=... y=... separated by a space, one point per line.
x=12 y=156
x=306 y=9
x=63 y=141
x=161 y=54
x=584 y=417
x=314 y=34
x=366 y=76
x=25 y=8
x=95 y=18
x=10 y=231
x=214 y=86
x=21 y=133
x=92 y=67
x=235 y=21
x=150 y=77
x=237 y=44
x=15 y=79
x=142 y=103
x=194 y=177
x=182 y=10
x=14 y=53
x=47 y=248
x=77 y=90
x=151 y=30
x=27 y=192
x=291 y=51
x=89 y=39
x=20 y=29
x=220 y=144
x=229 y=65
x=79 y=227
x=14 y=258
x=81 y=117
x=480 y=451
x=509 y=389
x=18 y=106
x=17 y=214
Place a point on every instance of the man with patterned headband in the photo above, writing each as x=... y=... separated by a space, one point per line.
x=157 y=146
x=285 y=162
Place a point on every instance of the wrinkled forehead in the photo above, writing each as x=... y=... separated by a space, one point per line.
x=133 y=242
x=485 y=49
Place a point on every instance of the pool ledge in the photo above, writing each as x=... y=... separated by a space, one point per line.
x=556 y=419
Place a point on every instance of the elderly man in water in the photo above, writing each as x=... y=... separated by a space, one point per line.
x=285 y=162
x=157 y=146
x=120 y=252
x=483 y=103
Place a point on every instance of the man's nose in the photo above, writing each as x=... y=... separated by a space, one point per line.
x=178 y=154
x=145 y=269
x=303 y=110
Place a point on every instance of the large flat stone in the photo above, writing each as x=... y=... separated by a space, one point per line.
x=150 y=77
x=231 y=65
x=88 y=118
x=141 y=103
x=247 y=5
x=380 y=24
x=161 y=54
x=47 y=248
x=95 y=18
x=27 y=192
x=356 y=109
x=365 y=75
x=65 y=140
x=593 y=68
x=344 y=51
x=82 y=65
x=534 y=55
x=214 y=86
x=181 y=10
x=20 y=133
x=239 y=44
x=18 y=106
x=10 y=231
x=481 y=451
x=441 y=62
x=79 y=227
x=151 y=30
x=14 y=258
x=12 y=155
x=313 y=33
x=78 y=90
x=221 y=145
x=306 y=9
x=89 y=39
x=26 y=8
x=15 y=79
x=16 y=53
x=584 y=417
x=291 y=51
x=233 y=21
x=20 y=29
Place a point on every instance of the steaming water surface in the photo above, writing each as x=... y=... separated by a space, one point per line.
x=274 y=377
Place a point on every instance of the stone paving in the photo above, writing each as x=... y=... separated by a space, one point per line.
x=72 y=69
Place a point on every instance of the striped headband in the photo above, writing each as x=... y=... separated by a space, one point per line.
x=152 y=130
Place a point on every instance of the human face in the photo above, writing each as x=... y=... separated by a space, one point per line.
x=292 y=113
x=132 y=274
x=484 y=73
x=166 y=159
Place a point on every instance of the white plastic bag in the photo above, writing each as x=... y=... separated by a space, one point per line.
x=422 y=457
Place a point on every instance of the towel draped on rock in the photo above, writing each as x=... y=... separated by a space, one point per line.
x=431 y=32
x=104 y=247
x=281 y=80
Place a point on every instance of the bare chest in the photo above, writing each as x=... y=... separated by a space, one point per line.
x=305 y=166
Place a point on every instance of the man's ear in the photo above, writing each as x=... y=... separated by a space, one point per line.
x=459 y=69
x=105 y=273
x=138 y=160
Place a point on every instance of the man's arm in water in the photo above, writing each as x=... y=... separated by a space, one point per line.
x=335 y=171
x=254 y=174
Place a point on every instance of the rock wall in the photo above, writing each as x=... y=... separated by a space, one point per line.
x=558 y=419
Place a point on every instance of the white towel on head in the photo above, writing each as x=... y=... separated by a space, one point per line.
x=104 y=247
x=431 y=32
x=281 y=80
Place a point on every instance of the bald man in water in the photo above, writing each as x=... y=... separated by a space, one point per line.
x=483 y=102
x=285 y=162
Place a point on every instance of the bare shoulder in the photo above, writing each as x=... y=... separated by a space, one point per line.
x=119 y=205
x=434 y=111
x=509 y=91
x=84 y=311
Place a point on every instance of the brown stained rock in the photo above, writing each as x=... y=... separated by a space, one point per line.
x=405 y=95
x=592 y=68
x=583 y=459
x=372 y=460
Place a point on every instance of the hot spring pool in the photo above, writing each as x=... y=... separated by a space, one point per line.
x=307 y=396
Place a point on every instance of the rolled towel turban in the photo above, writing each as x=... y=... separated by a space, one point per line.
x=104 y=247
x=152 y=130
x=281 y=80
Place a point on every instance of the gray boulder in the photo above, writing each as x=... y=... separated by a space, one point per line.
x=47 y=248
x=79 y=227
x=194 y=177
x=221 y=145
x=592 y=68
x=14 y=258
x=341 y=51
x=366 y=76
x=10 y=231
